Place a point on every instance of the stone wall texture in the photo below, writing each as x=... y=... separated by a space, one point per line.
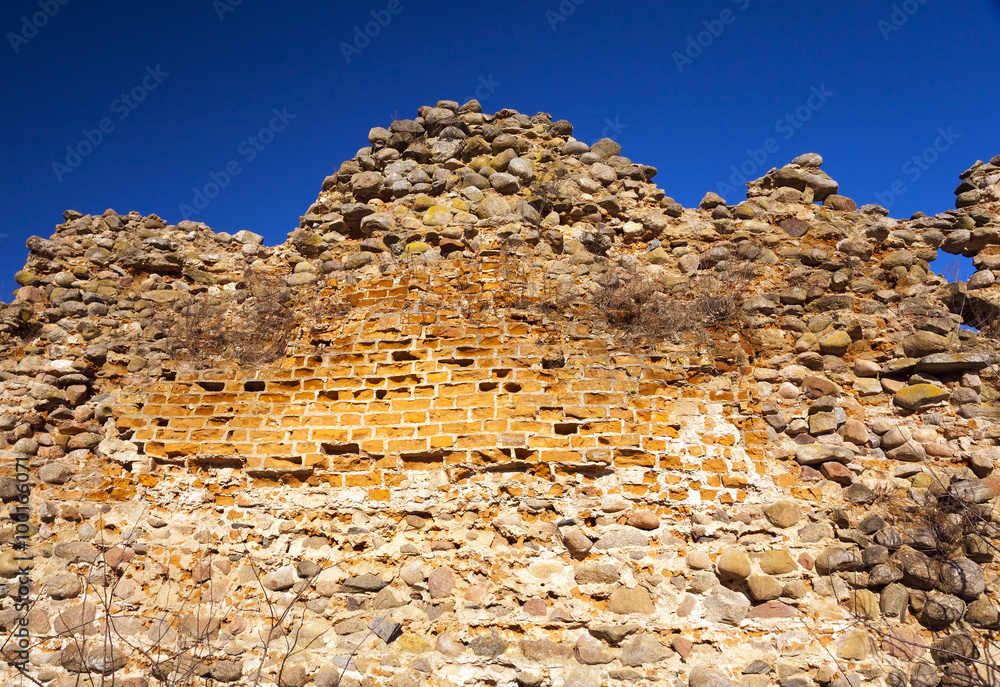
x=501 y=412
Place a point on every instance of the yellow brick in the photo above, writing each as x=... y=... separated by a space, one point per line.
x=560 y=456
x=273 y=448
x=734 y=480
x=340 y=435
x=475 y=441
x=524 y=413
x=347 y=463
x=274 y=463
x=620 y=440
x=171 y=435
x=364 y=479
x=426 y=430
x=407 y=445
x=462 y=427
x=206 y=434
x=187 y=423
x=583 y=412
x=245 y=422
x=530 y=426
x=411 y=404
x=625 y=458
x=715 y=465
x=480 y=400
x=456 y=389
x=548 y=442
x=444 y=415
x=268 y=435
x=671 y=463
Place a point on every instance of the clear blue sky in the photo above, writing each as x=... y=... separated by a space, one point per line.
x=866 y=84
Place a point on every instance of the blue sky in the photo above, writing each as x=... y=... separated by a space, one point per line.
x=283 y=94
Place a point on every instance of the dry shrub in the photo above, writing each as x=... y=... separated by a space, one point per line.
x=943 y=525
x=547 y=191
x=639 y=308
x=18 y=325
x=251 y=327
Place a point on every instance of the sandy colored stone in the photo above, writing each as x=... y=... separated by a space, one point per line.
x=733 y=563
x=626 y=601
x=783 y=513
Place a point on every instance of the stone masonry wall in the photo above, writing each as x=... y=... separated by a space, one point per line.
x=475 y=463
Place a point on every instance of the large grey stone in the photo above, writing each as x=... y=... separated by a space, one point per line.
x=606 y=148
x=492 y=644
x=783 y=513
x=982 y=613
x=940 y=610
x=972 y=491
x=644 y=649
x=596 y=573
x=504 y=183
x=63 y=586
x=441 y=582
x=577 y=542
x=724 y=605
x=703 y=676
x=732 y=564
x=836 y=559
x=625 y=601
x=917 y=396
x=225 y=670
x=813 y=454
x=919 y=571
x=961 y=577
x=938 y=363
x=626 y=536
x=893 y=600
x=280 y=579
x=364 y=583
x=925 y=343
x=591 y=651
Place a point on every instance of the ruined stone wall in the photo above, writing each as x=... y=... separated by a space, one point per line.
x=465 y=469
x=404 y=393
